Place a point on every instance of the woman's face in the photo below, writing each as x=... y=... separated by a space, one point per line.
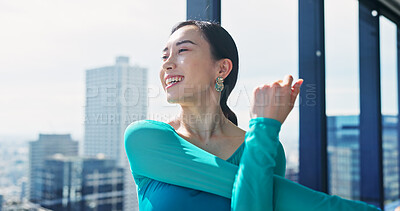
x=187 y=54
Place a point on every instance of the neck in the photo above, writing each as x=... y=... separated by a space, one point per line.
x=203 y=122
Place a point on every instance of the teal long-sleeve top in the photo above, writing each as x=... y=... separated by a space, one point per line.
x=173 y=174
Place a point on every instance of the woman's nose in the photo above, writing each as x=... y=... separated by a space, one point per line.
x=169 y=64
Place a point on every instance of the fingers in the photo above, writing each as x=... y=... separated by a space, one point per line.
x=297 y=84
x=275 y=100
x=288 y=80
x=258 y=97
x=296 y=90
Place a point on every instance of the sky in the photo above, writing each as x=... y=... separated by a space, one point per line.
x=46 y=46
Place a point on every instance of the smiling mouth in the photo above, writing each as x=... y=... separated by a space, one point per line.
x=173 y=81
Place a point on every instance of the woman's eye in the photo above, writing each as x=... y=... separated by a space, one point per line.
x=181 y=50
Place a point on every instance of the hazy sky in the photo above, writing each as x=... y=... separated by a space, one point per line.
x=46 y=46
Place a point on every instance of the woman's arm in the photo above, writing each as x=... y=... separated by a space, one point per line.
x=253 y=185
x=256 y=188
x=154 y=152
x=289 y=195
x=255 y=182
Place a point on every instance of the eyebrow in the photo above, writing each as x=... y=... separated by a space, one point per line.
x=180 y=43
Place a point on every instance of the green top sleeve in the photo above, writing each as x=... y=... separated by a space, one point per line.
x=156 y=151
x=254 y=180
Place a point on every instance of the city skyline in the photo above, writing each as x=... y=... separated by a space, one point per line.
x=47 y=89
x=67 y=65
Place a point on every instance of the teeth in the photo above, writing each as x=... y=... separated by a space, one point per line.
x=173 y=80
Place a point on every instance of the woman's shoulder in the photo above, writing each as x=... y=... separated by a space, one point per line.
x=146 y=124
x=147 y=129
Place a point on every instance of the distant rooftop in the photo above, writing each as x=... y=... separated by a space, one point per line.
x=122 y=60
x=54 y=136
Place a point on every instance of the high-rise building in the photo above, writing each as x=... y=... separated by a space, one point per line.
x=82 y=184
x=23 y=184
x=47 y=145
x=292 y=173
x=344 y=162
x=115 y=97
x=1 y=202
x=22 y=205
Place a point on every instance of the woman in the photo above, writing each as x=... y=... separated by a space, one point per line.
x=201 y=160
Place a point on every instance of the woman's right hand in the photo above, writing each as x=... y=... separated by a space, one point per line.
x=275 y=100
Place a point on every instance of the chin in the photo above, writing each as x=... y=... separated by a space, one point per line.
x=172 y=100
x=180 y=101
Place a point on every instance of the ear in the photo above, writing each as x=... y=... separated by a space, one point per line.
x=225 y=67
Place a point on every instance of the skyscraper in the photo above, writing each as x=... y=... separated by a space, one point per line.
x=46 y=146
x=82 y=184
x=343 y=157
x=115 y=97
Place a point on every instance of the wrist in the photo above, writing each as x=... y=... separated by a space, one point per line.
x=268 y=117
x=266 y=120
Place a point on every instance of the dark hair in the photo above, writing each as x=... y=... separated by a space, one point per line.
x=222 y=46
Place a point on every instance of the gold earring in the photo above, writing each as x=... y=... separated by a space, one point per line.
x=219 y=86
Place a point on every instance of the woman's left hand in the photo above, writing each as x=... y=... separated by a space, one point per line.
x=275 y=100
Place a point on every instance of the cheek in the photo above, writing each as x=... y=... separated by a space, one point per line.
x=194 y=62
x=182 y=60
x=161 y=76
